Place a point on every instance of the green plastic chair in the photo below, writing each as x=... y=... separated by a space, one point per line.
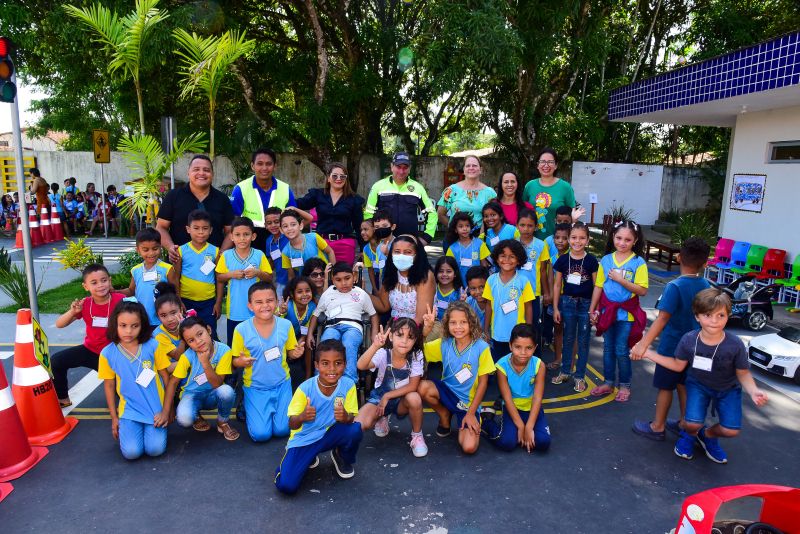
x=792 y=281
x=754 y=261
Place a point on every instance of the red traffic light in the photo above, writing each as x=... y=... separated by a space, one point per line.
x=5 y=46
x=7 y=88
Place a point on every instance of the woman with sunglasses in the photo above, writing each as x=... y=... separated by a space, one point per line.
x=339 y=212
x=548 y=193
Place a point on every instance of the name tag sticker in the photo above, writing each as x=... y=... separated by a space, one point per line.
x=702 y=363
x=303 y=330
x=442 y=304
x=207 y=267
x=272 y=354
x=150 y=276
x=493 y=241
x=379 y=264
x=201 y=379
x=145 y=377
x=297 y=262
x=574 y=278
x=509 y=306
x=100 y=322
x=463 y=375
x=528 y=266
x=275 y=254
x=401 y=383
x=466 y=262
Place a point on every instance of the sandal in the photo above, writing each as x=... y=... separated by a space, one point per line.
x=623 y=395
x=63 y=403
x=228 y=432
x=553 y=366
x=200 y=424
x=560 y=379
x=580 y=385
x=601 y=390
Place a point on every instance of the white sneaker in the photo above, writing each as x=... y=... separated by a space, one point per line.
x=382 y=427
x=418 y=446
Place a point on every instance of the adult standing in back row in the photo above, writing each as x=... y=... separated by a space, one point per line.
x=405 y=199
x=548 y=193
x=251 y=197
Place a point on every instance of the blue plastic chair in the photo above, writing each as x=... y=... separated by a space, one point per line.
x=738 y=259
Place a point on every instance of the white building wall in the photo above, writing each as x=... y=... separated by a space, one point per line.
x=777 y=224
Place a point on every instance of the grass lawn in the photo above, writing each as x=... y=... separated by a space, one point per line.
x=58 y=299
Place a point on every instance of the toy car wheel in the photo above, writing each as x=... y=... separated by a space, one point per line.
x=756 y=320
x=797 y=376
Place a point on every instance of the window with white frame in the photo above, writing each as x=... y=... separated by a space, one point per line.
x=784 y=152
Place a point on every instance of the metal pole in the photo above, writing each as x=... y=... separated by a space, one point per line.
x=26 y=231
x=103 y=203
x=171 y=146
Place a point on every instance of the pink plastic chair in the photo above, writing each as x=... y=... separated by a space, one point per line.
x=722 y=254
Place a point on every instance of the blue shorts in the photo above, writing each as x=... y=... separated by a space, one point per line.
x=728 y=404
x=668 y=379
x=391 y=406
x=451 y=401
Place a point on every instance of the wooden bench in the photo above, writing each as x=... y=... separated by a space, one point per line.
x=666 y=251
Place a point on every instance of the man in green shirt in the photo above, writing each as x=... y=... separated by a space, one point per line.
x=405 y=199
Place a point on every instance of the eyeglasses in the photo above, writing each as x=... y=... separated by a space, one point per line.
x=339 y=176
x=316 y=275
x=547 y=162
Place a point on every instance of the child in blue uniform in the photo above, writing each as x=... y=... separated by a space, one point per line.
x=476 y=282
x=520 y=378
x=466 y=364
x=448 y=289
x=133 y=371
x=510 y=295
x=302 y=247
x=495 y=227
x=168 y=308
x=468 y=251
x=276 y=241
x=262 y=344
x=537 y=265
x=675 y=319
x=321 y=416
x=621 y=280
x=203 y=366
x=145 y=275
x=718 y=369
x=557 y=245
x=198 y=259
x=396 y=355
x=239 y=268
x=299 y=297
x=375 y=254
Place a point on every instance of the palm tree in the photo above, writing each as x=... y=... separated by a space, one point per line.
x=148 y=164
x=206 y=61
x=123 y=37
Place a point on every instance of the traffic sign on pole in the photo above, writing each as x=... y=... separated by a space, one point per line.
x=102 y=146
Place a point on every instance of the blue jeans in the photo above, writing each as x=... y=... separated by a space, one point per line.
x=727 y=403
x=575 y=318
x=503 y=434
x=351 y=338
x=137 y=438
x=616 y=353
x=191 y=403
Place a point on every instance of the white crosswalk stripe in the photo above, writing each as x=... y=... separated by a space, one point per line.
x=111 y=249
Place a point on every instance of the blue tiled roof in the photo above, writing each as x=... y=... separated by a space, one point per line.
x=761 y=67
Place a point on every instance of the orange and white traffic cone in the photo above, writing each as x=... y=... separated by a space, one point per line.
x=55 y=224
x=18 y=241
x=5 y=489
x=33 y=224
x=44 y=226
x=34 y=392
x=17 y=455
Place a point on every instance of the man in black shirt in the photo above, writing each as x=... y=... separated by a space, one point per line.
x=197 y=194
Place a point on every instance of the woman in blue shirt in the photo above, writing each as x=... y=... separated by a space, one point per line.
x=339 y=212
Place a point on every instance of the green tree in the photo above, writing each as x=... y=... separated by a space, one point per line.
x=206 y=62
x=123 y=38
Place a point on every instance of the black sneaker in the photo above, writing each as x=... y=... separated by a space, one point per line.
x=315 y=463
x=343 y=469
x=442 y=431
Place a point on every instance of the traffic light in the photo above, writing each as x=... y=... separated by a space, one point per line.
x=7 y=88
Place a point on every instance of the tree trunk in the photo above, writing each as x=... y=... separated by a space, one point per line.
x=141 y=105
x=211 y=109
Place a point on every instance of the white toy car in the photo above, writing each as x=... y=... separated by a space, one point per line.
x=777 y=353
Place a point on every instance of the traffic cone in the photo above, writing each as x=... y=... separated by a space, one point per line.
x=44 y=226
x=34 y=392
x=55 y=224
x=17 y=455
x=33 y=223
x=5 y=489
x=18 y=241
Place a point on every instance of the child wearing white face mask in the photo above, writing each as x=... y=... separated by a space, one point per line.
x=408 y=285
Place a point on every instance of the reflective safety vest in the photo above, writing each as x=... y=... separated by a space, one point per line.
x=253 y=207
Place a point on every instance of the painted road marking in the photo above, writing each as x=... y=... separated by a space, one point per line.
x=6 y=354
x=81 y=390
